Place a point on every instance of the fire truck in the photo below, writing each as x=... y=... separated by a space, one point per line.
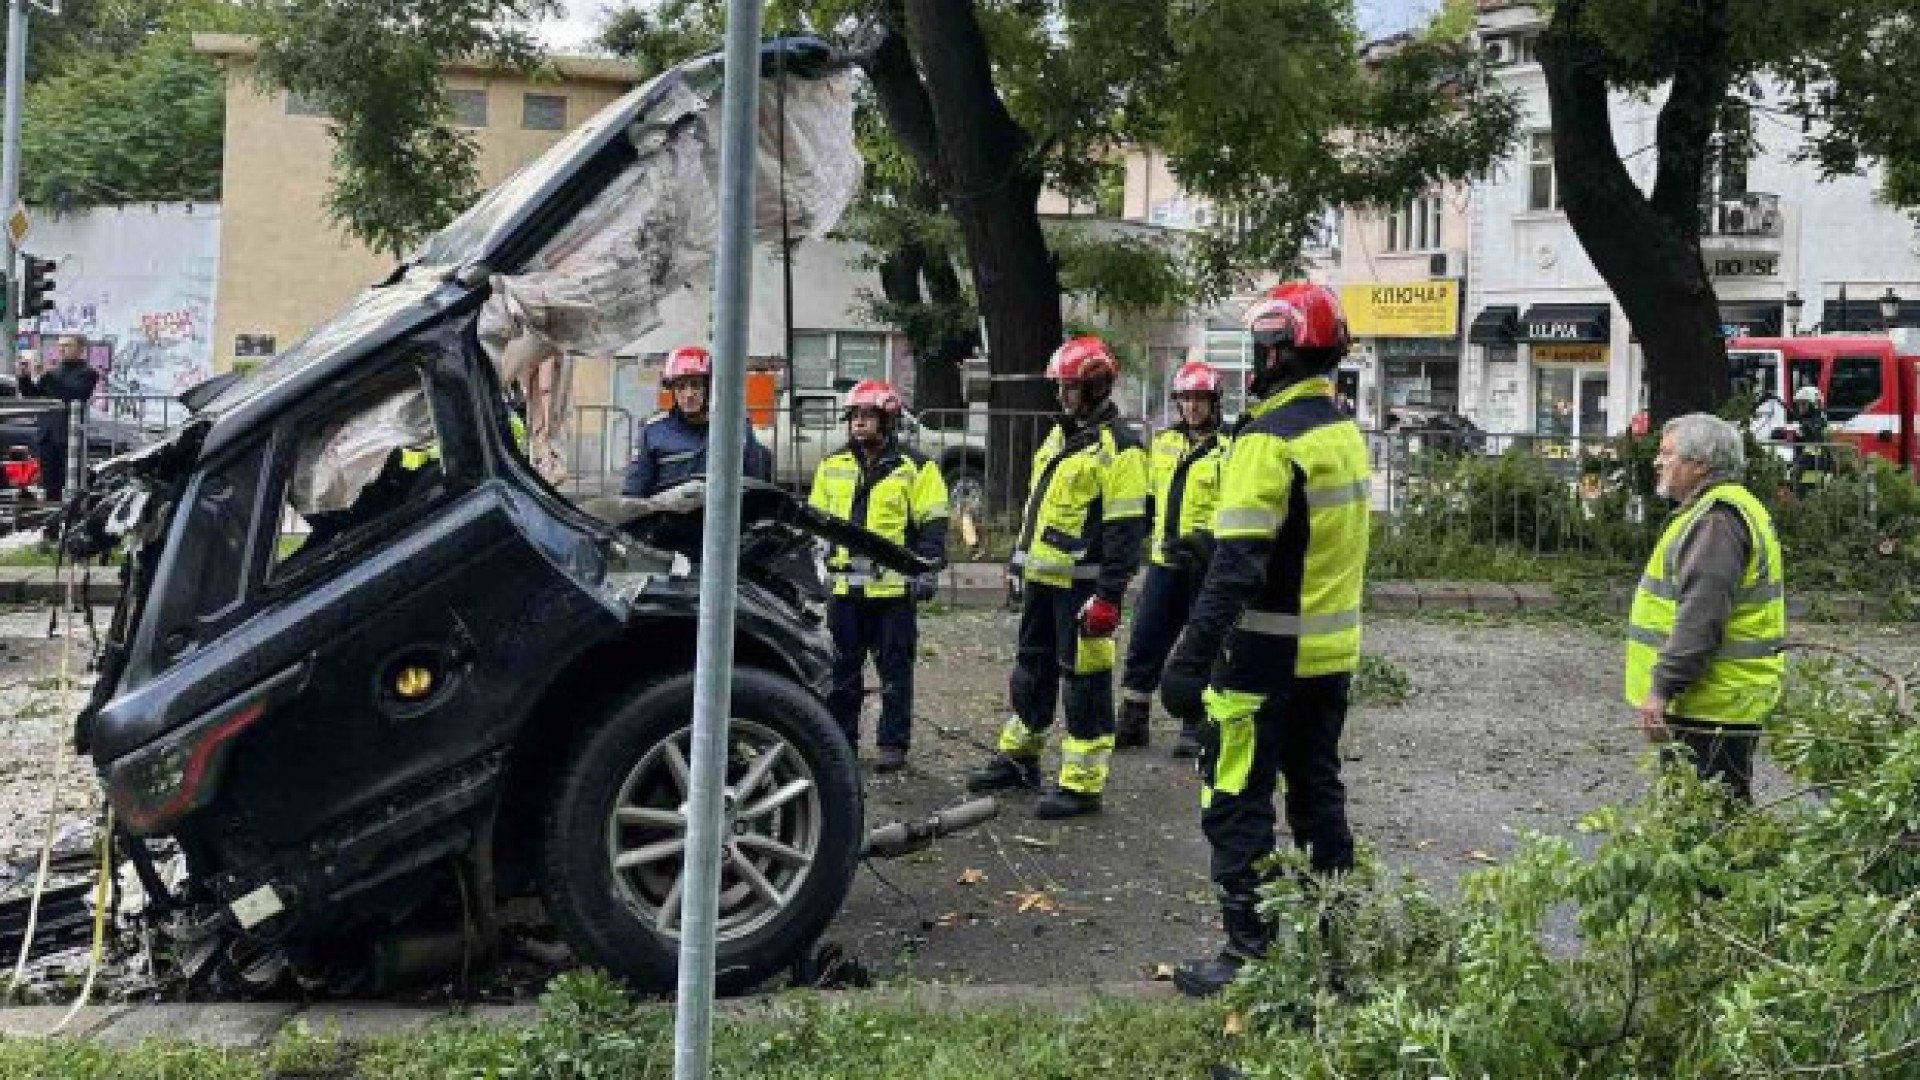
x=1870 y=384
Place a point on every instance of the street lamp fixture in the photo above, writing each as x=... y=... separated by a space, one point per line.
x=1794 y=305
x=1889 y=308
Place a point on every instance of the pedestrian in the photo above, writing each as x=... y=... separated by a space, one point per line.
x=71 y=380
x=1709 y=618
x=673 y=443
x=1186 y=484
x=1078 y=548
x=1270 y=649
x=899 y=494
x=1812 y=457
x=27 y=369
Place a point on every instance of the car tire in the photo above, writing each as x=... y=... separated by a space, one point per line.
x=612 y=916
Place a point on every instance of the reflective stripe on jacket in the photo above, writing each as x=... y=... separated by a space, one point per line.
x=1186 y=485
x=1296 y=484
x=1082 y=484
x=901 y=496
x=1742 y=684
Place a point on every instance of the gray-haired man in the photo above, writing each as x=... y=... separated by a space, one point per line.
x=1710 y=615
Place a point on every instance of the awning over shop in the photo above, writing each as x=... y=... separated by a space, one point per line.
x=1551 y=323
x=1750 y=319
x=1495 y=325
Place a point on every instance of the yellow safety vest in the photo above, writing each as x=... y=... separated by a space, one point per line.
x=902 y=492
x=1297 y=475
x=1186 y=485
x=1097 y=475
x=1742 y=684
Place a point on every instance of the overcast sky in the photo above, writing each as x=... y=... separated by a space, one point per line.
x=1377 y=17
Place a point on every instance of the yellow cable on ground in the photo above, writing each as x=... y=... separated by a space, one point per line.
x=101 y=897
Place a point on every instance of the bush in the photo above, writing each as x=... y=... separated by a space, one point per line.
x=1712 y=940
x=1509 y=518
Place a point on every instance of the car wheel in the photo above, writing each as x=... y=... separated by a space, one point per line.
x=613 y=850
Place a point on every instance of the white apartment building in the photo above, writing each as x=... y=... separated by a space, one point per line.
x=1549 y=351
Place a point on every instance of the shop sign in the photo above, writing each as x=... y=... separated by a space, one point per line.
x=1570 y=354
x=1417 y=309
x=1751 y=266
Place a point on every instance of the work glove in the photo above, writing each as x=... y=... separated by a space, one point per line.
x=925 y=587
x=1183 y=685
x=1099 y=617
x=1191 y=553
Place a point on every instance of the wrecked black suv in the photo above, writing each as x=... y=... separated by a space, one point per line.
x=372 y=673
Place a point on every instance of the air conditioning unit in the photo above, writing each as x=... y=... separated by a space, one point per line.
x=1447 y=264
x=1499 y=51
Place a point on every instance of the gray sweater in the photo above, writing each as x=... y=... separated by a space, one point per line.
x=1710 y=563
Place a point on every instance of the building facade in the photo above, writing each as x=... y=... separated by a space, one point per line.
x=1549 y=351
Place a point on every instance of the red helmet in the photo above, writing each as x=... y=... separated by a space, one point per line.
x=874 y=394
x=688 y=360
x=1197 y=376
x=1300 y=314
x=1082 y=358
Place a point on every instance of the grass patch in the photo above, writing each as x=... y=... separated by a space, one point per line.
x=588 y=1028
x=1380 y=681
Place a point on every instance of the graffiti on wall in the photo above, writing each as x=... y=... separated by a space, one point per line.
x=138 y=284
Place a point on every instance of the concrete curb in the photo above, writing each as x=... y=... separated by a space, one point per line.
x=255 y=1025
x=976 y=585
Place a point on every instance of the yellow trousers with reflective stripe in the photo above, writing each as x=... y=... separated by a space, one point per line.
x=1052 y=657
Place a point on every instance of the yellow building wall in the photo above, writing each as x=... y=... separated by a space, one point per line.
x=284 y=267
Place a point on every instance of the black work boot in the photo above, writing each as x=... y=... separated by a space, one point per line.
x=1189 y=744
x=1131 y=729
x=1063 y=803
x=1248 y=937
x=1005 y=773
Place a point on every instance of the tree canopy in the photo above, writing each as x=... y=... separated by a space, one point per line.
x=119 y=108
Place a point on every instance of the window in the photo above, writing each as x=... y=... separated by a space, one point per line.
x=1543 y=188
x=812 y=360
x=302 y=105
x=543 y=112
x=863 y=356
x=359 y=471
x=824 y=360
x=1416 y=226
x=1855 y=384
x=469 y=107
x=1728 y=156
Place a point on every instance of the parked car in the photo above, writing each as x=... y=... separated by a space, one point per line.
x=453 y=686
x=1435 y=430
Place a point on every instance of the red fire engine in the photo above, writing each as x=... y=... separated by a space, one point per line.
x=1870 y=384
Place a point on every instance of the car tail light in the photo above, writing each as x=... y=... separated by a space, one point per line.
x=157 y=785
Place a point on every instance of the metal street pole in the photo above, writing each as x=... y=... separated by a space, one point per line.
x=10 y=172
x=719 y=545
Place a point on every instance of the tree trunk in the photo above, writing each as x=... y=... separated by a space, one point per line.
x=991 y=182
x=939 y=382
x=1646 y=248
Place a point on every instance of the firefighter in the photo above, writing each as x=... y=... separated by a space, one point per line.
x=1812 y=457
x=1079 y=546
x=1270 y=648
x=898 y=493
x=673 y=443
x=1186 y=482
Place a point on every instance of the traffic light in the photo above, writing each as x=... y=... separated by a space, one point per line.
x=36 y=287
